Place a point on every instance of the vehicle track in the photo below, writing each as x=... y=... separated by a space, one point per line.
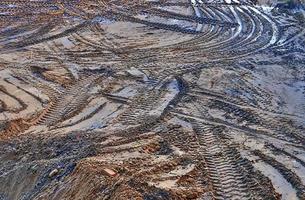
x=67 y=103
x=227 y=170
x=290 y=176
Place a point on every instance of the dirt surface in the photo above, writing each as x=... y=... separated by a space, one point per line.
x=152 y=100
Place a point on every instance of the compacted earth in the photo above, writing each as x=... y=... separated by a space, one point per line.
x=152 y=100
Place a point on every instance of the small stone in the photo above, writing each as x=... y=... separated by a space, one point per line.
x=53 y=173
x=110 y=172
